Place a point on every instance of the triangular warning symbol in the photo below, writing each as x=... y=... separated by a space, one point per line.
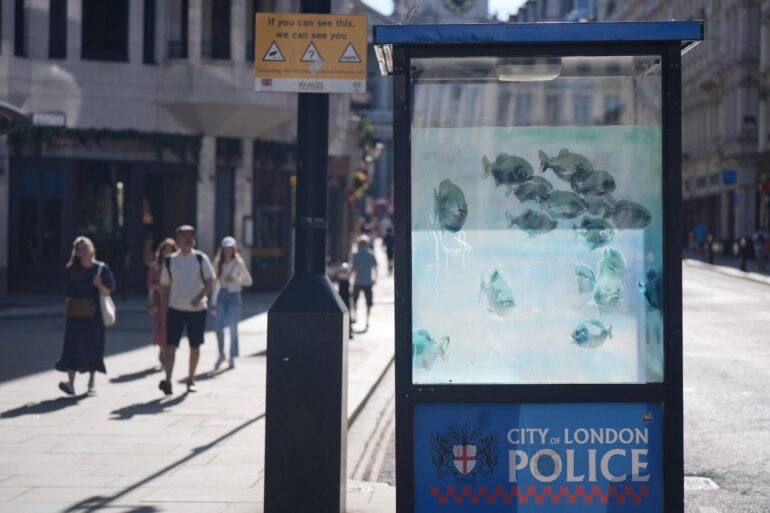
x=350 y=54
x=273 y=53
x=311 y=54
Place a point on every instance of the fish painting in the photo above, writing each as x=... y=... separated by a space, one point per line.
x=566 y=165
x=596 y=231
x=450 y=206
x=598 y=183
x=608 y=291
x=498 y=294
x=627 y=215
x=615 y=259
x=426 y=350
x=652 y=290
x=536 y=189
x=591 y=334
x=564 y=204
x=532 y=222
x=507 y=170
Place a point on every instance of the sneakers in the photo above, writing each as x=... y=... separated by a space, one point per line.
x=165 y=386
x=91 y=390
x=191 y=386
x=66 y=388
x=232 y=363
x=220 y=361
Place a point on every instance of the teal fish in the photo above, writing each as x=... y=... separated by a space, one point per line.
x=564 y=204
x=566 y=165
x=498 y=293
x=425 y=349
x=536 y=189
x=596 y=231
x=532 y=222
x=585 y=278
x=652 y=290
x=451 y=209
x=597 y=183
x=608 y=291
x=591 y=334
x=507 y=170
x=615 y=259
x=627 y=215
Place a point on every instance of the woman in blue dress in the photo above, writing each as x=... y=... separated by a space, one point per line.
x=84 y=329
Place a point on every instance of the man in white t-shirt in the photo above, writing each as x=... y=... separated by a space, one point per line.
x=186 y=278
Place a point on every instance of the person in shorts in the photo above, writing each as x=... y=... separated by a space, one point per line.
x=365 y=270
x=187 y=278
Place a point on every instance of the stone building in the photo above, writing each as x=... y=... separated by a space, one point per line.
x=145 y=119
x=724 y=129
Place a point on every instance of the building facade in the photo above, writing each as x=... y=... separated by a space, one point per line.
x=724 y=113
x=146 y=119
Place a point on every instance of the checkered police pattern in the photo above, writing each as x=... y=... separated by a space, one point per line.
x=466 y=494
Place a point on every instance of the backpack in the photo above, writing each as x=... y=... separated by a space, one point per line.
x=198 y=256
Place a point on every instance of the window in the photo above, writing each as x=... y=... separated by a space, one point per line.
x=177 y=28
x=611 y=109
x=105 y=30
x=521 y=115
x=20 y=29
x=216 y=30
x=582 y=105
x=148 y=48
x=57 y=29
x=252 y=8
x=552 y=109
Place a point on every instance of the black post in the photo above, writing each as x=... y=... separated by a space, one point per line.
x=307 y=334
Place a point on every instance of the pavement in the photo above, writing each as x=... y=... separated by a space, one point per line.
x=129 y=449
x=729 y=266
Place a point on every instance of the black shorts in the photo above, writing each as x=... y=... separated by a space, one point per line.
x=367 y=290
x=176 y=322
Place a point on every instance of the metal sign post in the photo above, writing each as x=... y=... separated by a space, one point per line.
x=538 y=283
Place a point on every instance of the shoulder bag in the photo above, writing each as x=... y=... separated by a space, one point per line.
x=106 y=304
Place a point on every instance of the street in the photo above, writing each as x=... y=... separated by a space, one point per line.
x=726 y=414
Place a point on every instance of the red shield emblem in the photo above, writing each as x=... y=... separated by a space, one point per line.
x=464 y=458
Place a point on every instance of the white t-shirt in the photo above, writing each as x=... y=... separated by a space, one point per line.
x=186 y=280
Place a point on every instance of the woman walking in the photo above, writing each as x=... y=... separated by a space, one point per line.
x=84 y=329
x=232 y=277
x=164 y=250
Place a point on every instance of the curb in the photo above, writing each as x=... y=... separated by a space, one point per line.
x=352 y=416
x=728 y=271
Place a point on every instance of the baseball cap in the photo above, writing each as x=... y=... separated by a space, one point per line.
x=184 y=228
x=228 y=242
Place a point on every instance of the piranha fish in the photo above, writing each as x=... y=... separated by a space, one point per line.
x=596 y=231
x=597 y=183
x=615 y=259
x=595 y=205
x=591 y=334
x=608 y=291
x=536 y=189
x=585 y=278
x=450 y=206
x=507 y=170
x=564 y=204
x=425 y=349
x=566 y=165
x=534 y=223
x=498 y=293
x=627 y=215
x=652 y=290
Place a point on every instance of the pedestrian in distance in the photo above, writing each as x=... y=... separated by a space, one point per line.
x=364 y=270
x=710 y=243
x=343 y=287
x=760 y=249
x=187 y=278
x=743 y=253
x=232 y=276
x=389 y=241
x=165 y=250
x=84 y=334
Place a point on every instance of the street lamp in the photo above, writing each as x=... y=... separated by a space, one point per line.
x=12 y=119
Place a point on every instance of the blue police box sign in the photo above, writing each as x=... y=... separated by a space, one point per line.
x=577 y=458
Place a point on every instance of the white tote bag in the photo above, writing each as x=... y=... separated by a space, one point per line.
x=106 y=304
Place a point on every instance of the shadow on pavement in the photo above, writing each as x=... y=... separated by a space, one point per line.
x=258 y=354
x=42 y=407
x=149 y=408
x=207 y=375
x=98 y=503
x=125 y=378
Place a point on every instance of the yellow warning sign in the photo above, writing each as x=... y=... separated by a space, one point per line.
x=310 y=53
